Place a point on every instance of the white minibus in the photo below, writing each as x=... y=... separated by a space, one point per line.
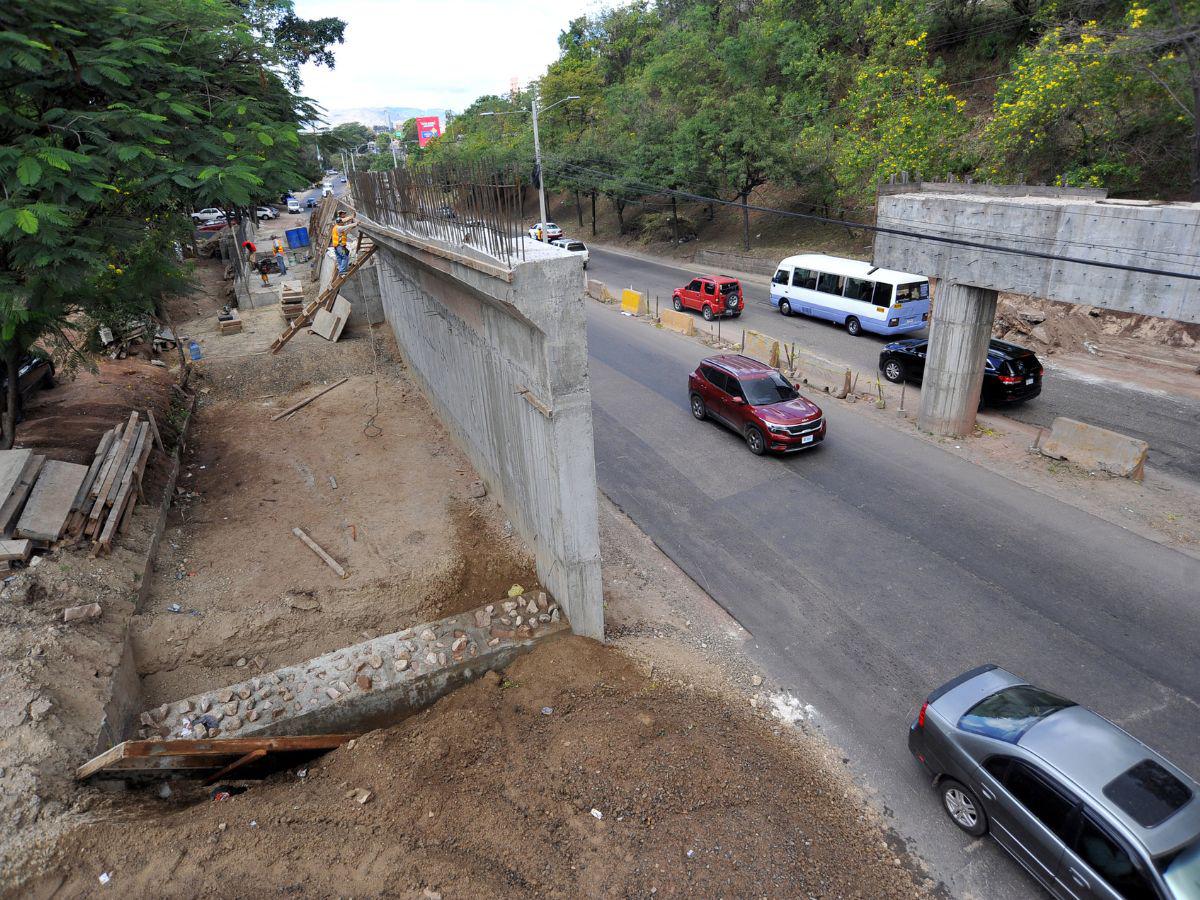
x=850 y=292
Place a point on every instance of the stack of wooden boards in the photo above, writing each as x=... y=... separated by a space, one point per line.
x=291 y=300
x=112 y=484
x=230 y=323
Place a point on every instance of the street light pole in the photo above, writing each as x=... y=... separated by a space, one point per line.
x=537 y=162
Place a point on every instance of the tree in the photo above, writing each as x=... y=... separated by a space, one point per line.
x=112 y=116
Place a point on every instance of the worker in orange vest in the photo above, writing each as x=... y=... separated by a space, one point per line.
x=337 y=240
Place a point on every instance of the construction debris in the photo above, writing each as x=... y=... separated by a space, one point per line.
x=305 y=402
x=50 y=501
x=85 y=613
x=229 y=322
x=291 y=300
x=317 y=549
x=18 y=471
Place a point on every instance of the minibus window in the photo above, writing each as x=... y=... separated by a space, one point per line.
x=803 y=278
x=883 y=294
x=859 y=289
x=829 y=284
x=781 y=277
x=907 y=292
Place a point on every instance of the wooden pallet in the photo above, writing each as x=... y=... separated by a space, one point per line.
x=325 y=300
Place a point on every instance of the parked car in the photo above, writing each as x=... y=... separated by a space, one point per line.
x=207 y=215
x=550 y=231
x=293 y=205
x=267 y=212
x=1088 y=809
x=756 y=402
x=34 y=373
x=342 y=180
x=573 y=246
x=310 y=203
x=711 y=296
x=1011 y=374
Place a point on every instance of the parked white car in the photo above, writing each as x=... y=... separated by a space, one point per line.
x=267 y=212
x=208 y=215
x=573 y=246
x=550 y=231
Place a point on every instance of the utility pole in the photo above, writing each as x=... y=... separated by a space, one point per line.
x=537 y=162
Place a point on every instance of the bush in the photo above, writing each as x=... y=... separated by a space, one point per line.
x=653 y=227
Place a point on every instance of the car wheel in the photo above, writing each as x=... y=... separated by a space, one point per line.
x=853 y=326
x=963 y=807
x=893 y=371
x=755 y=441
x=699 y=410
x=708 y=314
x=677 y=303
x=785 y=308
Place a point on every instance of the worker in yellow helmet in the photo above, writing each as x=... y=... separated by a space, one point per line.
x=337 y=240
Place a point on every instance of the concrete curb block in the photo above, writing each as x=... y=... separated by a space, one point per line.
x=762 y=347
x=1096 y=448
x=677 y=321
x=367 y=685
x=598 y=290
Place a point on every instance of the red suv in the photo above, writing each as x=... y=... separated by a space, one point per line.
x=756 y=402
x=712 y=295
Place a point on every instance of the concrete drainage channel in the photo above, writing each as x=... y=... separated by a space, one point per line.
x=368 y=685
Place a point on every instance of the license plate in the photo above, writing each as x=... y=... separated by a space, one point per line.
x=1029 y=381
x=807 y=439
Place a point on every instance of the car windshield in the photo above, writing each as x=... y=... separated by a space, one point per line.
x=1008 y=714
x=1181 y=872
x=774 y=388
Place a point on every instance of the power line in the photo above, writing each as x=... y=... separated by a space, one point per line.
x=910 y=234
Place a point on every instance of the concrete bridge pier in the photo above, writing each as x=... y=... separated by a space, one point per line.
x=958 y=342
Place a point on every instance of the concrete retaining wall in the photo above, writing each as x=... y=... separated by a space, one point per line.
x=367 y=685
x=723 y=261
x=682 y=322
x=1096 y=448
x=502 y=356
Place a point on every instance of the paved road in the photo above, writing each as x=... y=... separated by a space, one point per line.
x=876 y=567
x=1169 y=425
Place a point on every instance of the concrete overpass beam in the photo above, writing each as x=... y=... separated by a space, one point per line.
x=958 y=341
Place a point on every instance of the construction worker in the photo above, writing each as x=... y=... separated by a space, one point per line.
x=338 y=241
x=277 y=252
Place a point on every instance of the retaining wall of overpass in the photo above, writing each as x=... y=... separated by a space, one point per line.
x=502 y=356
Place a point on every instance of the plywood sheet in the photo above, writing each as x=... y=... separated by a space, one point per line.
x=49 y=503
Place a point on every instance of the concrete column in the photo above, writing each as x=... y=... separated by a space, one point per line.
x=958 y=341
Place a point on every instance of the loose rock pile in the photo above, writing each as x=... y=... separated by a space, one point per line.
x=263 y=703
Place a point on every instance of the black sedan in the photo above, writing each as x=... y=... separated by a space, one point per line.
x=1010 y=375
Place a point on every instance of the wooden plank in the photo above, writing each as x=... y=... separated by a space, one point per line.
x=308 y=400
x=236 y=764
x=317 y=549
x=341 y=309
x=154 y=430
x=15 y=551
x=94 y=468
x=16 y=498
x=49 y=502
x=126 y=487
x=115 y=468
x=156 y=751
x=12 y=464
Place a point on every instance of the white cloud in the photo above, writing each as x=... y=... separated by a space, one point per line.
x=435 y=53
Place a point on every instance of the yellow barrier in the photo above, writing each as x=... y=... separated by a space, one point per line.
x=633 y=302
x=763 y=348
x=678 y=321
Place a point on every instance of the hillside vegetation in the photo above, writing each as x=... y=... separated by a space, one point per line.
x=821 y=100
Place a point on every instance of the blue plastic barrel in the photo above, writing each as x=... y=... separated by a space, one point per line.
x=297 y=237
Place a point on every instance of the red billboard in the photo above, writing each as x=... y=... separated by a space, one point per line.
x=428 y=127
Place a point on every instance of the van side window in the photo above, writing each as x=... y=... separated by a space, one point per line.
x=1110 y=861
x=805 y=279
x=860 y=289
x=781 y=277
x=883 y=294
x=1045 y=802
x=829 y=284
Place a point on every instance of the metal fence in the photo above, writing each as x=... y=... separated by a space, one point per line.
x=477 y=204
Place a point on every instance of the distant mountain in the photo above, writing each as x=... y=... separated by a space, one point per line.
x=380 y=115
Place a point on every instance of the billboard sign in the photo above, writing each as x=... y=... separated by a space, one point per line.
x=428 y=127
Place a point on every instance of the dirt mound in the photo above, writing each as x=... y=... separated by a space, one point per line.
x=491 y=792
x=1048 y=326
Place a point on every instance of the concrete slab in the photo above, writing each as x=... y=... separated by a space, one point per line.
x=1096 y=448
x=367 y=685
x=677 y=321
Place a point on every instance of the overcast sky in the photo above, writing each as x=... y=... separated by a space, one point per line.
x=435 y=53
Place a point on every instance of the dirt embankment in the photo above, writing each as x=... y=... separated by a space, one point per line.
x=572 y=775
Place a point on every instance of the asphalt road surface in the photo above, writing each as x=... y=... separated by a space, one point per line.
x=876 y=567
x=1170 y=425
